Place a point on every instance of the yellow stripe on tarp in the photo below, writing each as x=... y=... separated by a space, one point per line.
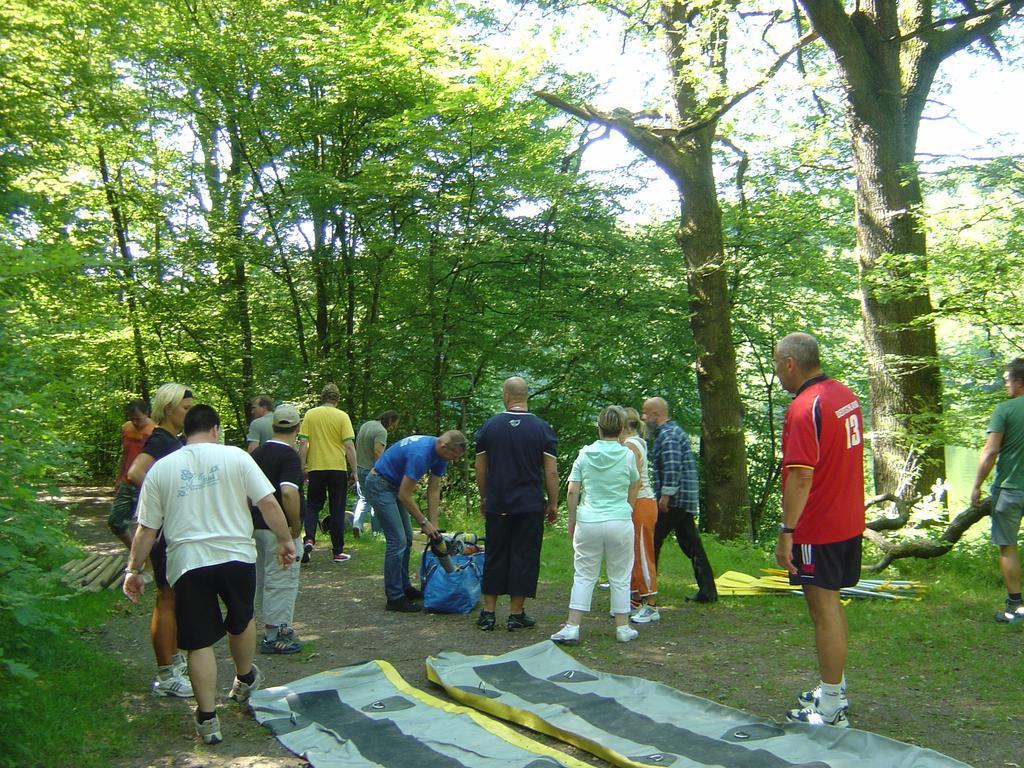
x=533 y=722
x=490 y=725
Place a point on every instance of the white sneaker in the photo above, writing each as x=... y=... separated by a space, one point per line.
x=569 y=634
x=209 y=731
x=180 y=663
x=813 y=716
x=645 y=615
x=625 y=633
x=1011 y=613
x=172 y=683
x=810 y=698
x=240 y=691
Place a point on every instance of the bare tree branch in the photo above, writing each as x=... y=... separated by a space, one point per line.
x=736 y=98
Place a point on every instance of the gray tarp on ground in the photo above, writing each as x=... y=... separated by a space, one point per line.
x=636 y=723
x=367 y=715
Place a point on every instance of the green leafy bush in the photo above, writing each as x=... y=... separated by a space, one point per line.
x=33 y=544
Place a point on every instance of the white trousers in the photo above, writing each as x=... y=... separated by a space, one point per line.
x=276 y=587
x=612 y=541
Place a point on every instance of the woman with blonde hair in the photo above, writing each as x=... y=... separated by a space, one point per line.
x=644 y=581
x=601 y=525
x=170 y=404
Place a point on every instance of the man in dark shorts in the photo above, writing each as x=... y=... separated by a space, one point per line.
x=199 y=496
x=1004 y=450
x=515 y=461
x=822 y=513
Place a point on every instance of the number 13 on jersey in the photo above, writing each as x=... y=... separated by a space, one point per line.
x=853 y=432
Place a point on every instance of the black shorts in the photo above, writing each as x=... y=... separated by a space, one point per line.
x=158 y=557
x=513 y=554
x=196 y=606
x=828 y=566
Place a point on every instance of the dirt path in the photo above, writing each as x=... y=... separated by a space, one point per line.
x=340 y=617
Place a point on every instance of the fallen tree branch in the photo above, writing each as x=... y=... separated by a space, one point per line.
x=903 y=508
x=926 y=548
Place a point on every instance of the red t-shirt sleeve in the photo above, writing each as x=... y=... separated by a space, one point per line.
x=803 y=431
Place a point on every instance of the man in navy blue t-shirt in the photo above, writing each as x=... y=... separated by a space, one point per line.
x=389 y=488
x=515 y=462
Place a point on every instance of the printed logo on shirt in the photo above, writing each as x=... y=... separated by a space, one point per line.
x=193 y=482
x=515 y=422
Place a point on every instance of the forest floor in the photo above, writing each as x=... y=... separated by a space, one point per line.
x=721 y=652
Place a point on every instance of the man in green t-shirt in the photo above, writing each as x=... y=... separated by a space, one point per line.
x=1004 y=449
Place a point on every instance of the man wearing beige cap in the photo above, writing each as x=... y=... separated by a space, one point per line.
x=277 y=588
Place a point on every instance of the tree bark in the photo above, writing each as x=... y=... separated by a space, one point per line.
x=724 y=492
x=689 y=163
x=130 y=278
x=684 y=153
x=888 y=52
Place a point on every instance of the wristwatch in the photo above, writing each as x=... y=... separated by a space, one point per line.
x=784 y=529
x=134 y=571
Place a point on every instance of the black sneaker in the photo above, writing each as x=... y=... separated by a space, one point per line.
x=413 y=594
x=325 y=525
x=307 y=549
x=404 y=605
x=486 y=621
x=519 y=621
x=701 y=598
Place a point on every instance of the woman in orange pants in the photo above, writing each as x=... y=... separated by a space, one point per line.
x=644 y=580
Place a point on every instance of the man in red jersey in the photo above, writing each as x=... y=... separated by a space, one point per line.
x=822 y=512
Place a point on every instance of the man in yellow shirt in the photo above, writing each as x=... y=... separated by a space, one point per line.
x=327 y=449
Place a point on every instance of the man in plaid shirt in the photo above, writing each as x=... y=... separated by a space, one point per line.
x=674 y=479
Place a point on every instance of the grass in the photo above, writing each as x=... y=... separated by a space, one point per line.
x=67 y=715
x=934 y=671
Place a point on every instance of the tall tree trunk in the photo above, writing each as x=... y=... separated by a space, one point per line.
x=130 y=277
x=236 y=229
x=348 y=263
x=724 y=492
x=899 y=335
x=368 y=328
x=888 y=52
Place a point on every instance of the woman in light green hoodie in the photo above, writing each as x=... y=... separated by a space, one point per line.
x=601 y=525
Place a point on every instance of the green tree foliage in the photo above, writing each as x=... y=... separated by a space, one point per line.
x=977 y=246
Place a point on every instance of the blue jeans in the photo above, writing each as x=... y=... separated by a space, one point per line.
x=397 y=527
x=363 y=507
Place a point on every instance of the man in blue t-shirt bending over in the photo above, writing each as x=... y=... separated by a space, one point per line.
x=389 y=488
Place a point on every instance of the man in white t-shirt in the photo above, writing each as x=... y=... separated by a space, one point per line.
x=199 y=496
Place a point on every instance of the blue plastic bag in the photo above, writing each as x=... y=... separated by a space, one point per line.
x=455 y=592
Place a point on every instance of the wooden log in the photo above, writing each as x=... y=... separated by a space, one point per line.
x=116 y=583
x=111 y=574
x=82 y=565
x=70 y=564
x=89 y=574
x=105 y=575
